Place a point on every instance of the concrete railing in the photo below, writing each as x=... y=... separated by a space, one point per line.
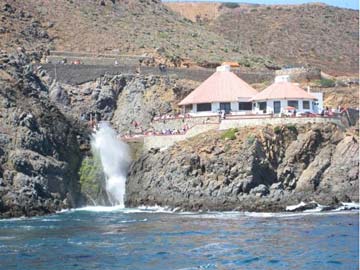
x=165 y=141
x=244 y=122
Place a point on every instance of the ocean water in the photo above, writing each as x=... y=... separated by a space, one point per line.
x=113 y=238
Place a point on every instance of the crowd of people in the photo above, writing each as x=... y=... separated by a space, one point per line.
x=139 y=131
x=170 y=116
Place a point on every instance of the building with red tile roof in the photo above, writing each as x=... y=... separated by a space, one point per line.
x=221 y=91
x=282 y=94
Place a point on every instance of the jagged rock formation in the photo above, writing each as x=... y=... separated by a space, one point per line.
x=39 y=147
x=260 y=170
x=120 y=99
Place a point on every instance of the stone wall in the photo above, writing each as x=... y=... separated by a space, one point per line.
x=300 y=74
x=79 y=74
x=98 y=61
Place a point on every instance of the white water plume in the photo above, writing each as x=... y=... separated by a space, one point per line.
x=115 y=159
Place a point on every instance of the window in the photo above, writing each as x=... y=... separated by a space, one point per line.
x=188 y=108
x=225 y=106
x=245 y=106
x=277 y=106
x=293 y=103
x=204 y=107
x=262 y=106
x=306 y=105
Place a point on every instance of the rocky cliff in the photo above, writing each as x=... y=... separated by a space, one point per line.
x=255 y=169
x=39 y=147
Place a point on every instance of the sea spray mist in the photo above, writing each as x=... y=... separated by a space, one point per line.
x=115 y=160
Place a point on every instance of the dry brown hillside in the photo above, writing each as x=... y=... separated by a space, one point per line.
x=196 y=11
x=312 y=34
x=112 y=26
x=253 y=35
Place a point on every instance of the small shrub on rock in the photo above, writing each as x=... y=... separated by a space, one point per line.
x=292 y=128
x=327 y=83
x=277 y=130
x=229 y=134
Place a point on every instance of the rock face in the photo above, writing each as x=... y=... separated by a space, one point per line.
x=120 y=99
x=141 y=99
x=39 y=147
x=260 y=170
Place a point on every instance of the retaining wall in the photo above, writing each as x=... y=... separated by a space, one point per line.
x=300 y=74
x=79 y=74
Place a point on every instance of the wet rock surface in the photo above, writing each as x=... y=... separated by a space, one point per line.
x=263 y=169
x=39 y=147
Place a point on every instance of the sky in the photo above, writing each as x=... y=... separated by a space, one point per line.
x=353 y=4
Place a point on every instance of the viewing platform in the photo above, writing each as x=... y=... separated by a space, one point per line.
x=201 y=124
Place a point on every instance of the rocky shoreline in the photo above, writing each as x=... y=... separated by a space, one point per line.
x=39 y=146
x=46 y=165
x=261 y=169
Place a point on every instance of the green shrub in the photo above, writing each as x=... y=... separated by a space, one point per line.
x=277 y=130
x=292 y=128
x=163 y=35
x=230 y=134
x=230 y=5
x=327 y=82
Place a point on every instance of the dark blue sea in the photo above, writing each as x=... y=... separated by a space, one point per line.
x=110 y=238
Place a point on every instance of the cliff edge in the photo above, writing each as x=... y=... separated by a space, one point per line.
x=252 y=169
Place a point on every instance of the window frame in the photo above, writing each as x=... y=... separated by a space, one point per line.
x=250 y=106
x=201 y=105
x=308 y=105
x=292 y=105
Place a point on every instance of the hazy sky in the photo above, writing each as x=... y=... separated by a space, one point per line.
x=353 y=4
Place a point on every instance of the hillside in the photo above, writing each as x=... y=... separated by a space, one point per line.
x=253 y=35
x=115 y=27
x=314 y=34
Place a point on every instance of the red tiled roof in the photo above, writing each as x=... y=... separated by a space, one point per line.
x=222 y=86
x=283 y=90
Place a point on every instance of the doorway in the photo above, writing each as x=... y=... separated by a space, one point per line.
x=277 y=106
x=225 y=106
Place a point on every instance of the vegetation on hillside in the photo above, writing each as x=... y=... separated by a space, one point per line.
x=318 y=35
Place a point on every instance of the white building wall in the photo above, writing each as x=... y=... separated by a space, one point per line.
x=269 y=106
x=234 y=106
x=320 y=102
x=283 y=104
x=300 y=106
x=215 y=107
